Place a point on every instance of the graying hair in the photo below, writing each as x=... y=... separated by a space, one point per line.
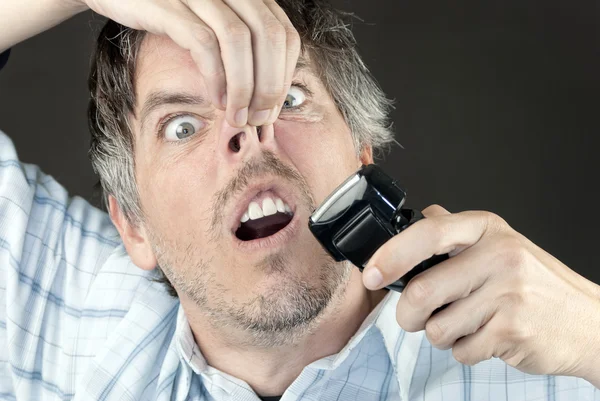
x=112 y=100
x=326 y=38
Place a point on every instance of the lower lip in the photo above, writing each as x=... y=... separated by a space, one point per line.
x=279 y=239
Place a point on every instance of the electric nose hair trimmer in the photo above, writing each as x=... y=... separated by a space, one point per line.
x=362 y=214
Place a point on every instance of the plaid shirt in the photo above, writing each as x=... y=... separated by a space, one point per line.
x=79 y=321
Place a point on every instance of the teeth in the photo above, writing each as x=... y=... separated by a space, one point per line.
x=269 y=207
x=254 y=211
x=280 y=206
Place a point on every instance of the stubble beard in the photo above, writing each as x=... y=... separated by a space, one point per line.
x=278 y=316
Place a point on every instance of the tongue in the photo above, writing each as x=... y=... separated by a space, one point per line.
x=263 y=227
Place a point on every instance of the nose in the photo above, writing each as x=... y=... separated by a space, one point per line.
x=238 y=144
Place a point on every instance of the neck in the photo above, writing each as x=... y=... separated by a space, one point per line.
x=270 y=371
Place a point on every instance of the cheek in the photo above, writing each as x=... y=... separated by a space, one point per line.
x=323 y=153
x=174 y=194
x=326 y=141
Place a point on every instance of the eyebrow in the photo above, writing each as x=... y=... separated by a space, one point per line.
x=161 y=98
x=301 y=64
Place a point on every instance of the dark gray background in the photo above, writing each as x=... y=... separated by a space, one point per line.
x=496 y=107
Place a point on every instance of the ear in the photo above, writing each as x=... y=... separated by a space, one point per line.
x=134 y=237
x=366 y=155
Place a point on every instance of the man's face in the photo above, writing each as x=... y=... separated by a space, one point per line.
x=198 y=178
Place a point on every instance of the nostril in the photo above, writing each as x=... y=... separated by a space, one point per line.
x=259 y=132
x=234 y=142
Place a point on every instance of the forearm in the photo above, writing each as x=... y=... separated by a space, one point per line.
x=595 y=381
x=590 y=362
x=592 y=373
x=22 y=19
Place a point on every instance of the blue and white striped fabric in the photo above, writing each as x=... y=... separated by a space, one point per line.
x=79 y=321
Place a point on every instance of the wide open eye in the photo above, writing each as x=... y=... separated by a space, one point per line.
x=295 y=98
x=182 y=127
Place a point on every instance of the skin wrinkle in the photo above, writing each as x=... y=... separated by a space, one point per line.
x=288 y=306
x=269 y=317
x=326 y=38
x=251 y=169
x=278 y=323
x=162 y=98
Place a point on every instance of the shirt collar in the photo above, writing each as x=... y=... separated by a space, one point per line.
x=402 y=347
x=186 y=344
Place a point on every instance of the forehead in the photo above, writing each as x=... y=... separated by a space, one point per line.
x=161 y=63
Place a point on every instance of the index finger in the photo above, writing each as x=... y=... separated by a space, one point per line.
x=435 y=235
x=234 y=38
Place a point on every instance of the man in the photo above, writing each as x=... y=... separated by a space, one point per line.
x=215 y=134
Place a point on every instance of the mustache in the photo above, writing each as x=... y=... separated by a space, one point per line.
x=266 y=164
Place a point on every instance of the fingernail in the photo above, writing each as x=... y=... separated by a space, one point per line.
x=372 y=277
x=241 y=117
x=260 y=117
x=273 y=115
x=224 y=101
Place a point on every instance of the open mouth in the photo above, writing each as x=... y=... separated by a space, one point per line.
x=266 y=215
